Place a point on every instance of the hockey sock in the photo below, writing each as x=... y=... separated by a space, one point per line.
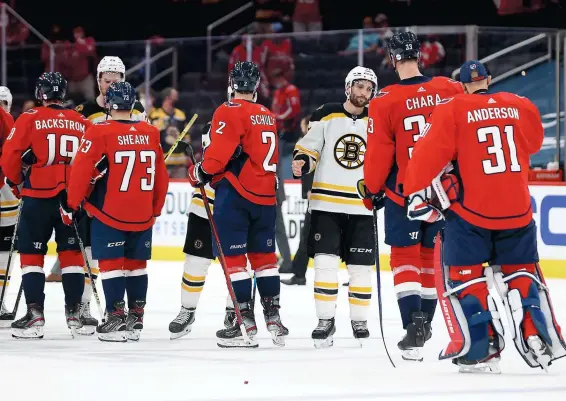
x=359 y=292
x=113 y=281
x=194 y=276
x=3 y=272
x=72 y=273
x=266 y=273
x=136 y=281
x=33 y=278
x=428 y=290
x=87 y=293
x=325 y=285
x=241 y=281
x=407 y=280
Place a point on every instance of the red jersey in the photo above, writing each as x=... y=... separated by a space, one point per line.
x=252 y=127
x=396 y=117
x=53 y=133
x=490 y=136
x=6 y=124
x=240 y=53
x=132 y=193
x=286 y=107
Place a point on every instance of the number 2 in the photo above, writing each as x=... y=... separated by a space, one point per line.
x=269 y=137
x=409 y=125
x=221 y=125
x=500 y=165
x=130 y=156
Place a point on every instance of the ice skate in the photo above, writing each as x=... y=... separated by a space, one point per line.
x=229 y=318
x=88 y=322
x=114 y=330
x=273 y=320
x=182 y=324
x=414 y=338
x=31 y=325
x=540 y=351
x=72 y=314
x=360 y=329
x=6 y=317
x=487 y=365
x=134 y=321
x=232 y=337
x=323 y=334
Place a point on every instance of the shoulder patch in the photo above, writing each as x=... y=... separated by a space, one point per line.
x=444 y=101
x=31 y=111
x=381 y=94
x=325 y=110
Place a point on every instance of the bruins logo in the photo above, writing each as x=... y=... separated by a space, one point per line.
x=198 y=244
x=349 y=151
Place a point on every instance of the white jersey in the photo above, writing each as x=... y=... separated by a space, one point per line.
x=336 y=144
x=197 y=205
x=8 y=207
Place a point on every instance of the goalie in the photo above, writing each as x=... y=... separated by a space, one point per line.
x=489 y=137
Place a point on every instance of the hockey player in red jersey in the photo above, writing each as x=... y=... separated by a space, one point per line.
x=244 y=204
x=8 y=208
x=489 y=138
x=396 y=116
x=48 y=137
x=124 y=204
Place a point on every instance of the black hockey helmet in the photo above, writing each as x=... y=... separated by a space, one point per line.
x=120 y=96
x=403 y=46
x=244 y=77
x=50 y=86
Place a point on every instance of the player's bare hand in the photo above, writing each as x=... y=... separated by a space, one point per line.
x=297 y=167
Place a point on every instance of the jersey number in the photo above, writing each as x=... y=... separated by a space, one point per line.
x=409 y=125
x=500 y=165
x=68 y=146
x=268 y=137
x=146 y=157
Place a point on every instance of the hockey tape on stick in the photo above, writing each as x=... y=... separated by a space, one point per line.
x=12 y=315
x=181 y=136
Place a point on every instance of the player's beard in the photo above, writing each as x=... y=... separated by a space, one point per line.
x=359 y=101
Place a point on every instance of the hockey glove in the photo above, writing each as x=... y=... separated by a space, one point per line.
x=197 y=176
x=300 y=169
x=28 y=157
x=419 y=207
x=370 y=200
x=15 y=188
x=65 y=210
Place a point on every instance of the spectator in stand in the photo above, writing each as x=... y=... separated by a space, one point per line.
x=385 y=33
x=369 y=40
x=432 y=52
x=82 y=54
x=61 y=50
x=286 y=106
x=306 y=17
x=279 y=52
x=170 y=121
x=16 y=32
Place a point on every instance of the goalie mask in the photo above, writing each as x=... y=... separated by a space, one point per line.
x=6 y=98
x=360 y=73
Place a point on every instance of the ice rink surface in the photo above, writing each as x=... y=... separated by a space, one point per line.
x=194 y=368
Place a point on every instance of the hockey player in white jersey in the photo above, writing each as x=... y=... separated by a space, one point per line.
x=198 y=256
x=341 y=227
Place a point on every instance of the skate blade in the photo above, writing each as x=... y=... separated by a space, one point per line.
x=32 y=333
x=86 y=330
x=323 y=343
x=362 y=341
x=277 y=338
x=174 y=336
x=236 y=343
x=412 y=355
x=133 y=335
x=484 y=367
x=115 y=337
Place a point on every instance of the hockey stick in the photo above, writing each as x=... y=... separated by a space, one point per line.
x=12 y=315
x=377 y=269
x=181 y=136
x=221 y=258
x=90 y=275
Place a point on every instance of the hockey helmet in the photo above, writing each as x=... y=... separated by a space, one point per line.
x=111 y=64
x=6 y=98
x=120 y=96
x=403 y=46
x=358 y=73
x=50 y=86
x=243 y=78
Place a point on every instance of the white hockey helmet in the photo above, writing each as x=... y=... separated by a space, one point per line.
x=361 y=73
x=111 y=64
x=6 y=98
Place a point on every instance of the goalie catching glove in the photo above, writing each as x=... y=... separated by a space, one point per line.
x=427 y=204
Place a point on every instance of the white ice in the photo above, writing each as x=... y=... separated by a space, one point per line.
x=194 y=368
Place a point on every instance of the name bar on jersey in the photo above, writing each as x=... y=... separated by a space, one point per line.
x=51 y=123
x=422 y=101
x=492 y=113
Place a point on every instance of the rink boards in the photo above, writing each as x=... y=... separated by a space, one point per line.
x=549 y=206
